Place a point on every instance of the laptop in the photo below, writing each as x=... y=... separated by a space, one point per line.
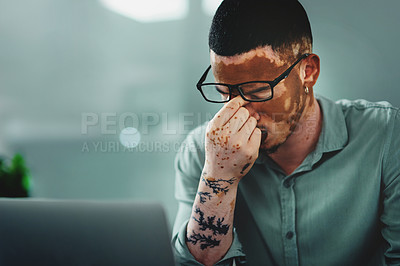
x=74 y=232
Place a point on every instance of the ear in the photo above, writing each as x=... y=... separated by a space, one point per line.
x=310 y=70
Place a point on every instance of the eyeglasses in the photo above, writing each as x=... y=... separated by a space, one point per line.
x=252 y=91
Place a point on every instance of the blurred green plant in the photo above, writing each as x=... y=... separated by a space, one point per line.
x=14 y=178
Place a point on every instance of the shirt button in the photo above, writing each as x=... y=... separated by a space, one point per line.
x=286 y=184
x=289 y=235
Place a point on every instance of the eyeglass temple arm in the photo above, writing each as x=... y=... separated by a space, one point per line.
x=287 y=72
x=204 y=75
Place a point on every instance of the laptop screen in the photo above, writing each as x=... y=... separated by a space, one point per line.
x=61 y=232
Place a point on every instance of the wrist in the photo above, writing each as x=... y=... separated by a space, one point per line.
x=219 y=182
x=217 y=171
x=210 y=177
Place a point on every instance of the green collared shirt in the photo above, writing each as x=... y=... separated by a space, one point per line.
x=341 y=206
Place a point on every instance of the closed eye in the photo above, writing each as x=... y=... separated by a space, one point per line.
x=258 y=90
x=220 y=91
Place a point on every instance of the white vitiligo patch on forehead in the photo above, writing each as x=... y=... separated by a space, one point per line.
x=265 y=51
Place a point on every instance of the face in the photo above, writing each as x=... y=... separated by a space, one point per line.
x=278 y=116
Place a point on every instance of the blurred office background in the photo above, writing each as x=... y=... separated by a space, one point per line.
x=65 y=64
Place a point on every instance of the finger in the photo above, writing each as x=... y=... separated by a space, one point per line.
x=248 y=127
x=255 y=138
x=237 y=120
x=228 y=110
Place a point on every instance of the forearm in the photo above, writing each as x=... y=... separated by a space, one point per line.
x=232 y=144
x=209 y=231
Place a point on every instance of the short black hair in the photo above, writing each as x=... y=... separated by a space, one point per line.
x=239 y=26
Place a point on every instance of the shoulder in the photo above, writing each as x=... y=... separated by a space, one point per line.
x=370 y=118
x=365 y=124
x=376 y=124
x=379 y=113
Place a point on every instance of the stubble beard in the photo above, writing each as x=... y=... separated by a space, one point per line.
x=272 y=149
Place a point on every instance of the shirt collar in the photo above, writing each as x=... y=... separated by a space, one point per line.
x=334 y=130
x=333 y=133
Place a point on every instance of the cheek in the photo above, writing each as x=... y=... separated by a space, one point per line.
x=285 y=104
x=290 y=99
x=278 y=109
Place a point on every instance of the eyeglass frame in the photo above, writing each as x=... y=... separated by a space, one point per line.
x=272 y=84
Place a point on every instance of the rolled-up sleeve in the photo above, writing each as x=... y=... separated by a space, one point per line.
x=391 y=195
x=189 y=163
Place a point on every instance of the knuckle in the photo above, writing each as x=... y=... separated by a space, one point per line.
x=248 y=153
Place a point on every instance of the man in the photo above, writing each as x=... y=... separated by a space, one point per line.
x=278 y=176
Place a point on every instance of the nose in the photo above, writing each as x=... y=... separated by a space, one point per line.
x=235 y=93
